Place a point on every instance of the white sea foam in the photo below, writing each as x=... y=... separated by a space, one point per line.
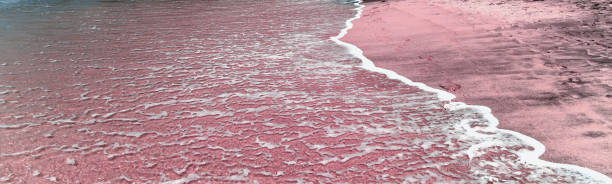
x=189 y=178
x=70 y=161
x=20 y=125
x=264 y=144
x=531 y=156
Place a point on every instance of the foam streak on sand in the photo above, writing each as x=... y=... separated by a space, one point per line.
x=530 y=156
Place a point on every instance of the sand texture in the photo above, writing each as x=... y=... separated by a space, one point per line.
x=543 y=67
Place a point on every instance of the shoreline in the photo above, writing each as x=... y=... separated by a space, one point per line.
x=410 y=37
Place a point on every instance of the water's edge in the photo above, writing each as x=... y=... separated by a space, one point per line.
x=532 y=156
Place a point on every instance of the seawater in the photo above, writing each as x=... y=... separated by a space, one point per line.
x=231 y=91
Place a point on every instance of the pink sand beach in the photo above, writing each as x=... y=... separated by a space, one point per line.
x=544 y=68
x=244 y=91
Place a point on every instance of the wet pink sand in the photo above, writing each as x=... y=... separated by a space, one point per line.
x=510 y=57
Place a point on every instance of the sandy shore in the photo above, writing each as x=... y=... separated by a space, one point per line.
x=543 y=67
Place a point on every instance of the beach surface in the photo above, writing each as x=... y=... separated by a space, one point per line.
x=242 y=91
x=544 y=68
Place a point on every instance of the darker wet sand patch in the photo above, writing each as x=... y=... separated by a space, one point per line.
x=594 y=134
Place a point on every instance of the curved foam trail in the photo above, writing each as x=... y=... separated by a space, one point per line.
x=532 y=156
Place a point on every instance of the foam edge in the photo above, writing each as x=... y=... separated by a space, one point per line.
x=532 y=157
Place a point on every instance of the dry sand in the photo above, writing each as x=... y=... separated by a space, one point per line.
x=543 y=67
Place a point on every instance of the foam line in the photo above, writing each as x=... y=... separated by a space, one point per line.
x=532 y=157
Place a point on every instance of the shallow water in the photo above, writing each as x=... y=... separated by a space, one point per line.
x=226 y=91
